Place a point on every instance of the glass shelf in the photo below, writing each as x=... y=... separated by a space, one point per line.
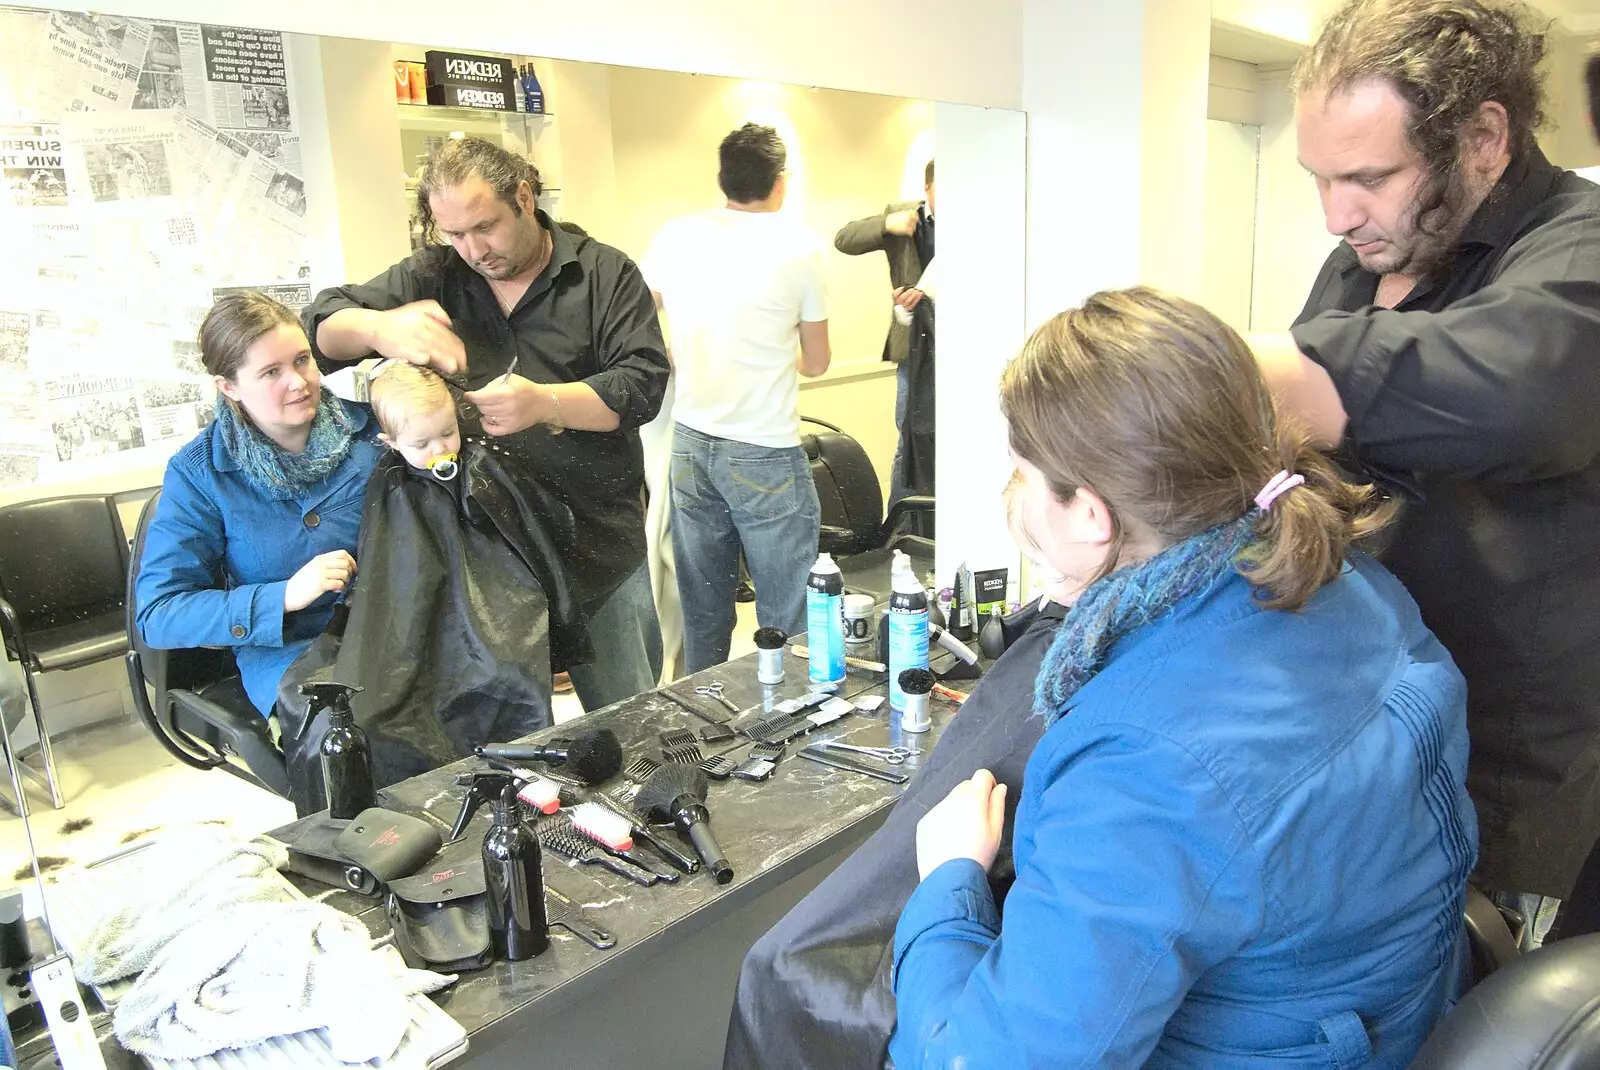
x=430 y=113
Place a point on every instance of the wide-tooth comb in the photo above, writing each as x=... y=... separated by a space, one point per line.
x=688 y=754
x=562 y=911
x=564 y=839
x=641 y=768
x=678 y=737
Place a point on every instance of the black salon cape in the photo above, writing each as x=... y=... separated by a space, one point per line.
x=814 y=991
x=916 y=430
x=459 y=609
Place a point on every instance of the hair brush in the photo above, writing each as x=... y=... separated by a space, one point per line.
x=676 y=794
x=590 y=756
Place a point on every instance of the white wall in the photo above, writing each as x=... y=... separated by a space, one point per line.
x=1230 y=221
x=1231 y=91
x=952 y=50
x=983 y=201
x=1291 y=238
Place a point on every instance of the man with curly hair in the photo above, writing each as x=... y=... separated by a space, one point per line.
x=1448 y=348
x=559 y=335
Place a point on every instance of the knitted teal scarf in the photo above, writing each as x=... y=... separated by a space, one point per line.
x=1127 y=600
x=273 y=468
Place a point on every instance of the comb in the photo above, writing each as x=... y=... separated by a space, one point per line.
x=563 y=839
x=562 y=911
x=720 y=767
x=687 y=754
x=641 y=768
x=772 y=752
x=779 y=729
x=678 y=737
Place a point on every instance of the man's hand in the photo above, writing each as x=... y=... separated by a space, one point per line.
x=420 y=334
x=509 y=404
x=967 y=824
x=907 y=297
x=331 y=571
x=902 y=223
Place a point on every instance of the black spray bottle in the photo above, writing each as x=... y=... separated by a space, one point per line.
x=514 y=882
x=346 y=755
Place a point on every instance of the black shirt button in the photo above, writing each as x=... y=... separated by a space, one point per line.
x=238 y=631
x=312 y=520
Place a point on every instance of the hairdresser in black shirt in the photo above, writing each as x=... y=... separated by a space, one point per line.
x=1451 y=349
x=574 y=324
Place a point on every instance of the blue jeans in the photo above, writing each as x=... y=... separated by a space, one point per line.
x=627 y=646
x=727 y=495
x=902 y=395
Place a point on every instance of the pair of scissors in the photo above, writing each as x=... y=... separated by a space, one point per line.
x=714 y=690
x=887 y=755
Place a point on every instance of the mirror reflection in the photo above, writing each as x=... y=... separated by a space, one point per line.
x=323 y=357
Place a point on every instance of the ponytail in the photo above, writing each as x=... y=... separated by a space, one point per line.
x=1303 y=536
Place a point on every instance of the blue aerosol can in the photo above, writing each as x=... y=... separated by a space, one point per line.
x=825 y=621
x=908 y=628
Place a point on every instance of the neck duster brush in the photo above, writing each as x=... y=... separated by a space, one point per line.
x=590 y=756
x=676 y=794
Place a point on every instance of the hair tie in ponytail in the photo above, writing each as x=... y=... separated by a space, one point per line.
x=1278 y=485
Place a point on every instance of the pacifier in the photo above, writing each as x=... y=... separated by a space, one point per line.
x=444 y=467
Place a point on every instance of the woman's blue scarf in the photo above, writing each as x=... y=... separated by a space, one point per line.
x=1127 y=600
x=273 y=468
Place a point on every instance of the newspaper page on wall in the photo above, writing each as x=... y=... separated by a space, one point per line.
x=145 y=168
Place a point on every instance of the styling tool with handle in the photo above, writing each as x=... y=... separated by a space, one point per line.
x=559 y=909
x=563 y=839
x=823 y=756
x=675 y=794
x=590 y=756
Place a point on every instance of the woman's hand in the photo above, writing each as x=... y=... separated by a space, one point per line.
x=907 y=297
x=331 y=571
x=967 y=824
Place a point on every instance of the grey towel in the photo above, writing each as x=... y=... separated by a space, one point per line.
x=228 y=958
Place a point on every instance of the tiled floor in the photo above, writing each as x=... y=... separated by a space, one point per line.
x=118 y=781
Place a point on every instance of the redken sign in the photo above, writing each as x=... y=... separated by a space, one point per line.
x=462 y=81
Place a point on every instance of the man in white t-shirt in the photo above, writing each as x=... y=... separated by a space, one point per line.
x=747 y=312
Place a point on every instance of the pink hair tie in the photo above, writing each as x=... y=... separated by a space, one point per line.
x=1278 y=485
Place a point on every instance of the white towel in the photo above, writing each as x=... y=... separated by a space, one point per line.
x=228 y=958
x=254 y=971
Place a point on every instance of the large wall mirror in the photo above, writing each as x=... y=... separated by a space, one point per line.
x=148 y=167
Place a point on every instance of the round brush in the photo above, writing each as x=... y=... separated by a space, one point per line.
x=590 y=756
x=676 y=794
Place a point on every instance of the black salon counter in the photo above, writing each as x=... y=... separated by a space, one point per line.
x=661 y=996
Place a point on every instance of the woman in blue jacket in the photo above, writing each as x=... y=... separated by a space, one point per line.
x=1244 y=838
x=256 y=530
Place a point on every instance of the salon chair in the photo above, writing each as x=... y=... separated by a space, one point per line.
x=854 y=530
x=1540 y=1011
x=193 y=701
x=63 y=570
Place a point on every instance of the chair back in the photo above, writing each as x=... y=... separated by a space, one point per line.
x=1538 y=1012
x=168 y=670
x=847 y=487
x=62 y=559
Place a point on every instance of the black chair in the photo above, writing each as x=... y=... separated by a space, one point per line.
x=854 y=529
x=1539 y=1012
x=193 y=701
x=63 y=566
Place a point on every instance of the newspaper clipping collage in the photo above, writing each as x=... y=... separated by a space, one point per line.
x=145 y=169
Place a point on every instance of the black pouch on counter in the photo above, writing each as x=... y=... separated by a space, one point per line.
x=388 y=845
x=314 y=853
x=440 y=916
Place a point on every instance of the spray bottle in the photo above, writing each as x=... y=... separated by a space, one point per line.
x=514 y=883
x=908 y=627
x=825 y=621
x=346 y=755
